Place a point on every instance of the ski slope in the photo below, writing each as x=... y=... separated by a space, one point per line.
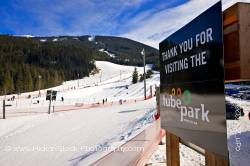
x=113 y=82
x=30 y=136
x=71 y=138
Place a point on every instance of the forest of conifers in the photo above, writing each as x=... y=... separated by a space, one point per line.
x=28 y=65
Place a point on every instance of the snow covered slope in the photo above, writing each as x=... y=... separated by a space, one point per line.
x=71 y=138
x=76 y=137
x=113 y=82
x=108 y=53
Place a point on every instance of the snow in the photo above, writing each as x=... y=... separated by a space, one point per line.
x=27 y=36
x=112 y=82
x=188 y=157
x=159 y=156
x=91 y=38
x=43 y=40
x=79 y=137
x=108 y=53
x=82 y=136
x=238 y=135
x=75 y=136
x=55 y=40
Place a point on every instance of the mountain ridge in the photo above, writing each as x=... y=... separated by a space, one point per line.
x=56 y=59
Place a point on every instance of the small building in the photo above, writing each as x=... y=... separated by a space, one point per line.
x=237 y=42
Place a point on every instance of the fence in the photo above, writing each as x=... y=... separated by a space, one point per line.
x=34 y=106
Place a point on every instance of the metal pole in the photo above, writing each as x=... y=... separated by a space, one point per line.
x=144 y=73
x=39 y=85
x=78 y=80
x=50 y=102
x=3 y=109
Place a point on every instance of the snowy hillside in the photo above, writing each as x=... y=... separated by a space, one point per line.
x=113 y=82
x=108 y=53
x=81 y=137
x=83 y=129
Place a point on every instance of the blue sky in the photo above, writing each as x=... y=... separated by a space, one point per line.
x=147 y=21
x=74 y=17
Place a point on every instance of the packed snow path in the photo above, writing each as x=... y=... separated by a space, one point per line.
x=29 y=136
x=71 y=138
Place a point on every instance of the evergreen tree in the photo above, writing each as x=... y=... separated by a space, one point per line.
x=135 y=76
x=149 y=73
x=29 y=81
x=19 y=86
x=23 y=60
x=141 y=78
x=8 y=84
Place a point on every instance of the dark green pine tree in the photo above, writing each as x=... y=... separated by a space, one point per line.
x=29 y=81
x=135 y=76
x=22 y=60
x=8 y=84
x=19 y=86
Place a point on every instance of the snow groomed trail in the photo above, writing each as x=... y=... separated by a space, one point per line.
x=30 y=136
x=72 y=138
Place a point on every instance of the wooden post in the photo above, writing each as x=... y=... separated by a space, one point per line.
x=212 y=159
x=3 y=109
x=173 y=155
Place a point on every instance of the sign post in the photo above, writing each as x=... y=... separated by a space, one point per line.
x=144 y=72
x=50 y=103
x=213 y=160
x=173 y=152
x=4 y=109
x=192 y=101
x=51 y=95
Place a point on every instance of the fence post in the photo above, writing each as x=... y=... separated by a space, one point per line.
x=212 y=159
x=151 y=91
x=4 y=109
x=173 y=155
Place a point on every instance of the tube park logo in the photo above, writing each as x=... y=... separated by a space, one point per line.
x=182 y=102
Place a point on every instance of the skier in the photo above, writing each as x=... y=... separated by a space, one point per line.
x=103 y=101
x=62 y=99
x=249 y=115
